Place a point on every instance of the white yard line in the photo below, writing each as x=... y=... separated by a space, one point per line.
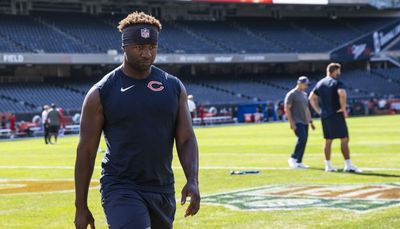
x=216 y=167
x=4 y=180
x=35 y=167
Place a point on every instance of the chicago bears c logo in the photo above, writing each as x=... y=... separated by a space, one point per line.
x=155 y=86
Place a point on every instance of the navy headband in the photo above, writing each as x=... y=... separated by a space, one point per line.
x=139 y=35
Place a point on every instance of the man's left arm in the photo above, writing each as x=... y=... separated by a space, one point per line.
x=309 y=117
x=186 y=145
x=343 y=101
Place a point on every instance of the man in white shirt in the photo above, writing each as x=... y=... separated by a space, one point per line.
x=45 y=123
x=192 y=106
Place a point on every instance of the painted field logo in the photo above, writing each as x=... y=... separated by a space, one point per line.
x=289 y=197
x=22 y=187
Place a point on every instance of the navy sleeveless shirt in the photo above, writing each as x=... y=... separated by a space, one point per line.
x=139 y=130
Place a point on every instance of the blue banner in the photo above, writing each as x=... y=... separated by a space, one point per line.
x=364 y=47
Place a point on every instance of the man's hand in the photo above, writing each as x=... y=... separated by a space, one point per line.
x=293 y=126
x=312 y=126
x=83 y=218
x=345 y=114
x=191 y=189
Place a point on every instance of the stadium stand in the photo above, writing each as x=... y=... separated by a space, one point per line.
x=221 y=89
x=58 y=32
x=189 y=42
x=38 y=94
x=390 y=74
x=340 y=31
x=9 y=105
x=208 y=94
x=362 y=82
x=28 y=34
x=65 y=32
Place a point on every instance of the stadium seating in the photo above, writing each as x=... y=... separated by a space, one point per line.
x=30 y=34
x=94 y=33
x=340 y=31
x=38 y=94
x=207 y=95
x=389 y=73
x=284 y=34
x=47 y=32
x=13 y=106
x=373 y=86
x=220 y=89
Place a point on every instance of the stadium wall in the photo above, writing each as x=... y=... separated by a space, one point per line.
x=66 y=58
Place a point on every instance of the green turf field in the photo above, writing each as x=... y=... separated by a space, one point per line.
x=375 y=147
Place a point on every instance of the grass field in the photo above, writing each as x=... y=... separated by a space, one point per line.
x=47 y=201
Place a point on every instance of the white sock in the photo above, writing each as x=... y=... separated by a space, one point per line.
x=328 y=163
x=348 y=162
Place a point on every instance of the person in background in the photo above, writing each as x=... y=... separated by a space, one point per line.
x=281 y=111
x=45 y=123
x=329 y=100
x=54 y=120
x=299 y=116
x=270 y=112
x=192 y=106
x=3 y=121
x=62 y=121
x=12 y=126
x=202 y=114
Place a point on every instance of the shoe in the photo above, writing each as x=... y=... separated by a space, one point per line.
x=302 y=166
x=292 y=163
x=330 y=169
x=352 y=169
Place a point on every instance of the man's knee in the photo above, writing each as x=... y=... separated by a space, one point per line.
x=302 y=140
x=345 y=140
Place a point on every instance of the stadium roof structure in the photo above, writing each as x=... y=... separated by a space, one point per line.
x=94 y=6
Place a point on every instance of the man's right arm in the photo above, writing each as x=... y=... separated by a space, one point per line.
x=90 y=132
x=288 y=112
x=342 y=101
x=314 y=102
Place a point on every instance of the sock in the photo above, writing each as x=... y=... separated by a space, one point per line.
x=328 y=163
x=348 y=162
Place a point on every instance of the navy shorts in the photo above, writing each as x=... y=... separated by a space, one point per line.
x=54 y=129
x=131 y=209
x=335 y=127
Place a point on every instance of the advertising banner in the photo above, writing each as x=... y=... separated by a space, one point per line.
x=364 y=47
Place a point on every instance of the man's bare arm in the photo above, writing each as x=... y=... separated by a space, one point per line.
x=90 y=132
x=186 y=145
x=343 y=101
x=309 y=118
x=313 y=98
x=288 y=112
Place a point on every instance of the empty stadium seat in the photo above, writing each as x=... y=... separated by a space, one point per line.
x=61 y=32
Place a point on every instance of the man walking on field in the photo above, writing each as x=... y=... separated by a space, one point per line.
x=142 y=110
x=299 y=116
